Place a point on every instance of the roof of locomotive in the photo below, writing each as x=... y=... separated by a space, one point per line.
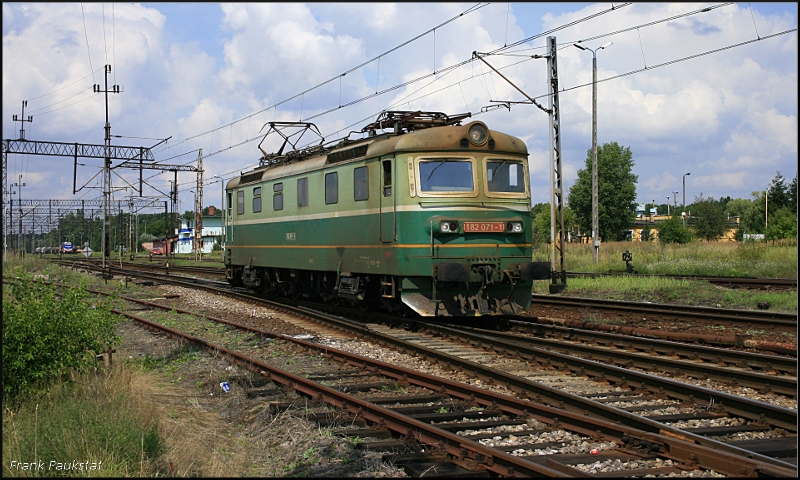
x=434 y=139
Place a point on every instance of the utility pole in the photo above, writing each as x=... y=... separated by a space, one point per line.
x=22 y=120
x=222 y=211
x=557 y=282
x=683 y=211
x=106 y=165
x=595 y=200
x=198 y=210
x=19 y=186
x=558 y=275
x=6 y=192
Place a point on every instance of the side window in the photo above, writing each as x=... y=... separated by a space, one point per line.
x=256 y=199
x=302 y=192
x=230 y=206
x=331 y=188
x=277 y=196
x=361 y=184
x=387 y=178
x=240 y=202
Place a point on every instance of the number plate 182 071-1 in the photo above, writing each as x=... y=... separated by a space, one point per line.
x=484 y=226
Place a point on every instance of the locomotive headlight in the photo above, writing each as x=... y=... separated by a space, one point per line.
x=477 y=134
x=448 y=226
x=514 y=227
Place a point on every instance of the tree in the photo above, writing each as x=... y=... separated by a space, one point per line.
x=778 y=195
x=737 y=207
x=782 y=224
x=616 y=191
x=710 y=222
x=791 y=193
x=541 y=222
x=674 y=231
x=753 y=220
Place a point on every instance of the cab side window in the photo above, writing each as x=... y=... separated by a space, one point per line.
x=302 y=192
x=387 y=178
x=331 y=188
x=277 y=196
x=256 y=199
x=361 y=184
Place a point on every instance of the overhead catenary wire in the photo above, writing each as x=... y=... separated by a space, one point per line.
x=586 y=84
x=39 y=110
x=62 y=88
x=677 y=60
x=617 y=32
x=105 y=43
x=88 y=50
x=553 y=30
x=471 y=9
x=114 y=42
x=407 y=83
x=632 y=72
x=466 y=12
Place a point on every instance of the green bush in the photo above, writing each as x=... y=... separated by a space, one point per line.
x=782 y=224
x=46 y=336
x=674 y=231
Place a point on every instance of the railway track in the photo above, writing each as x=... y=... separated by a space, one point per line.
x=638 y=387
x=472 y=429
x=747 y=318
x=735 y=282
x=756 y=362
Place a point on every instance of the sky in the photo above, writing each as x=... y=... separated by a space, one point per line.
x=708 y=89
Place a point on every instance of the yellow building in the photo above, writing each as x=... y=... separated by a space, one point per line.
x=643 y=222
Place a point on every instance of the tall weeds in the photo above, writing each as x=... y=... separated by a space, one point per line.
x=92 y=426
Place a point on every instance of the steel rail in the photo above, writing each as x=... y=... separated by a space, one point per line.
x=760 y=381
x=751 y=317
x=750 y=409
x=665 y=347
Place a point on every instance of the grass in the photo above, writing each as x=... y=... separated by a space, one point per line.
x=726 y=259
x=94 y=420
x=696 y=258
x=672 y=291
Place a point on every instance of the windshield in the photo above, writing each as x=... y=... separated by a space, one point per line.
x=505 y=176
x=446 y=175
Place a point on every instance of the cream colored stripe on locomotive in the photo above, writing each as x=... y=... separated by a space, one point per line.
x=387 y=246
x=373 y=211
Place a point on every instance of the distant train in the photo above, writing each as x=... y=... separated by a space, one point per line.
x=67 y=247
x=433 y=216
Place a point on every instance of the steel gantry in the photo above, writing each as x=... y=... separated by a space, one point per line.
x=41 y=217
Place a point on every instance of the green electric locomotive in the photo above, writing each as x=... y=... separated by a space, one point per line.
x=432 y=216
